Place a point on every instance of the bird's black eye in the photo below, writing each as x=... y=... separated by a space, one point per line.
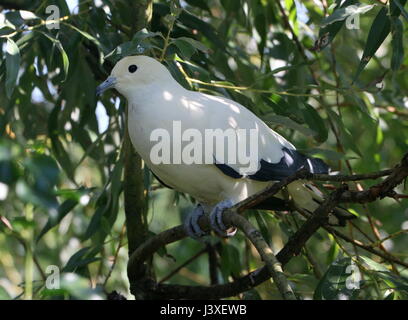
x=132 y=68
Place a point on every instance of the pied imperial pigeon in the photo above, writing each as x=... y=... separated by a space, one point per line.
x=170 y=127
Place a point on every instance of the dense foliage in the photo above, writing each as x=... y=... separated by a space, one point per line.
x=334 y=86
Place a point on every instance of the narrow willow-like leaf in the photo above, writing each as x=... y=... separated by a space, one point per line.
x=397 y=44
x=12 y=66
x=64 y=56
x=380 y=29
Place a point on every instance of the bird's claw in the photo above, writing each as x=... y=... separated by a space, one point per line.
x=194 y=230
x=191 y=223
x=216 y=220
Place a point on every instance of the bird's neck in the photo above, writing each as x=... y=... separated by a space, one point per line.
x=154 y=95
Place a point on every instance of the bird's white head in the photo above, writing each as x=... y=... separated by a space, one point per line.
x=134 y=72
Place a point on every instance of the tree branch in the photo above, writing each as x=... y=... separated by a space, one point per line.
x=136 y=220
x=293 y=246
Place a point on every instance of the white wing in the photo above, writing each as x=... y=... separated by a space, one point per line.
x=274 y=157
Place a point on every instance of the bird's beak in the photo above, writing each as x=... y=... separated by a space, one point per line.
x=107 y=84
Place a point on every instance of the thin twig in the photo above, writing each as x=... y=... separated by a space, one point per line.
x=366 y=247
x=176 y=270
x=292 y=247
x=377 y=243
x=115 y=257
x=272 y=263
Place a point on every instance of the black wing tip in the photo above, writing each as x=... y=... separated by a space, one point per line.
x=317 y=165
x=227 y=170
x=291 y=162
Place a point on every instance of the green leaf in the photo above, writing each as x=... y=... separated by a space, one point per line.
x=139 y=44
x=79 y=259
x=6 y=30
x=336 y=282
x=329 y=32
x=44 y=170
x=251 y=295
x=4 y=294
x=196 y=44
x=42 y=175
x=345 y=136
x=199 y=4
x=283 y=108
x=186 y=48
x=286 y=68
x=374 y=265
x=64 y=56
x=30 y=194
x=90 y=38
x=397 y=44
x=263 y=226
x=288 y=123
x=81 y=135
x=28 y=15
x=333 y=252
x=379 y=30
x=231 y=5
x=345 y=12
x=12 y=66
x=145 y=34
x=14 y=18
x=59 y=152
x=8 y=169
x=230 y=261
x=176 y=73
x=326 y=154
x=8 y=172
x=392 y=280
x=56 y=217
x=401 y=7
x=20 y=224
x=75 y=286
x=291 y=8
x=95 y=222
x=107 y=205
x=397 y=7
x=315 y=123
x=203 y=27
